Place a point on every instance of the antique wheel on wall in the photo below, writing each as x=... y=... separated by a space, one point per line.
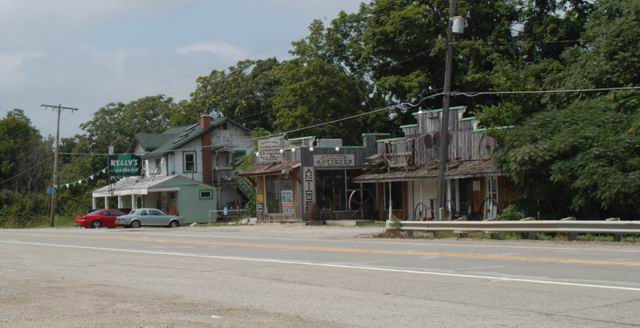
x=420 y=212
x=361 y=203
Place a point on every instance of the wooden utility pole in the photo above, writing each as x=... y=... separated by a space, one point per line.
x=444 y=128
x=54 y=180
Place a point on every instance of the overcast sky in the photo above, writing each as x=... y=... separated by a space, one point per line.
x=87 y=53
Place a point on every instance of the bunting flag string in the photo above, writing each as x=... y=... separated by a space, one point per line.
x=81 y=181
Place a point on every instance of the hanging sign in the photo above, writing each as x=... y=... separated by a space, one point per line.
x=269 y=150
x=334 y=160
x=124 y=165
x=309 y=184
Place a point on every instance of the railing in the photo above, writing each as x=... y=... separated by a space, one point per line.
x=604 y=227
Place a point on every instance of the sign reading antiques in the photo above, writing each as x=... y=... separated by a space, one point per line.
x=124 y=165
x=334 y=160
x=309 y=185
x=269 y=150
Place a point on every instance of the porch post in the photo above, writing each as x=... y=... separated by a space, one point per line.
x=133 y=201
x=449 y=199
x=93 y=203
x=106 y=202
x=120 y=202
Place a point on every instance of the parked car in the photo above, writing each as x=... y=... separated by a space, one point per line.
x=99 y=218
x=148 y=217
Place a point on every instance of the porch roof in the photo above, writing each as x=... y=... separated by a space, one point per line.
x=455 y=170
x=271 y=169
x=144 y=186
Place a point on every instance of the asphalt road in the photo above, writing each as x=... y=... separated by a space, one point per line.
x=294 y=276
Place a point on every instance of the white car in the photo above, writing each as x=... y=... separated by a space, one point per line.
x=148 y=217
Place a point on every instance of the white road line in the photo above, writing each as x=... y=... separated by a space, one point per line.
x=329 y=265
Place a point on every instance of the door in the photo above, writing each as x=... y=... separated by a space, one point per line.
x=158 y=217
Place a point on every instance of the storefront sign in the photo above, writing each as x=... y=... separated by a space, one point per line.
x=309 y=184
x=269 y=150
x=286 y=198
x=124 y=165
x=334 y=160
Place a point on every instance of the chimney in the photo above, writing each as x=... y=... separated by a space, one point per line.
x=205 y=120
x=207 y=160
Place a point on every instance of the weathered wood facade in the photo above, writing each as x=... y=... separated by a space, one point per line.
x=310 y=179
x=475 y=187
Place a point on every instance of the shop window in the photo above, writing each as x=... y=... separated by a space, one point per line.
x=206 y=194
x=396 y=195
x=189 y=162
x=275 y=186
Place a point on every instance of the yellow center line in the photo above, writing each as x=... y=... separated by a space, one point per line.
x=344 y=250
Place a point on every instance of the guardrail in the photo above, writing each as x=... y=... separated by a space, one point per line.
x=605 y=227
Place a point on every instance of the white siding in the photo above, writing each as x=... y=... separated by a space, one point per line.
x=234 y=137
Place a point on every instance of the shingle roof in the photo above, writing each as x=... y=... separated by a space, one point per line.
x=151 y=141
x=181 y=136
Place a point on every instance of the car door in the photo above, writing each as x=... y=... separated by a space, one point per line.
x=145 y=218
x=159 y=218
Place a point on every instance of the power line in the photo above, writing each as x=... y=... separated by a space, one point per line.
x=518 y=42
x=472 y=94
x=24 y=172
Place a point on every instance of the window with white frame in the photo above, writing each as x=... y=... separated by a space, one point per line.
x=206 y=194
x=190 y=162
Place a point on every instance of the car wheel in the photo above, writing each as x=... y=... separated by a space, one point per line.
x=96 y=224
x=135 y=224
x=174 y=224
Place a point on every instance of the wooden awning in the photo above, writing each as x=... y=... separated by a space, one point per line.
x=455 y=170
x=271 y=169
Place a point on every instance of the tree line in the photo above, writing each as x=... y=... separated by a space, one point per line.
x=567 y=153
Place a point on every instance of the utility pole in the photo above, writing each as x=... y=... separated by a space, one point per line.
x=54 y=180
x=444 y=129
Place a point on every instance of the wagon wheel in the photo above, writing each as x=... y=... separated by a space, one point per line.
x=360 y=199
x=420 y=212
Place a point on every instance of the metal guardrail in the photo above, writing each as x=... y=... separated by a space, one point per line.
x=614 y=227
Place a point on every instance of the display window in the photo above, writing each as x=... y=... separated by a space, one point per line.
x=275 y=185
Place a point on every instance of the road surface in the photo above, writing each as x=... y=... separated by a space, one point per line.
x=296 y=276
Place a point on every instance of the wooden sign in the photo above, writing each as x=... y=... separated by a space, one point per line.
x=334 y=160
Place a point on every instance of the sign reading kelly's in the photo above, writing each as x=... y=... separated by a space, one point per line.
x=334 y=160
x=124 y=165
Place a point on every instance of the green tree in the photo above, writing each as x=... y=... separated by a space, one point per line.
x=243 y=93
x=117 y=123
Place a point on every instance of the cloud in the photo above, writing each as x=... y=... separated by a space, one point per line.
x=12 y=65
x=114 y=60
x=222 y=50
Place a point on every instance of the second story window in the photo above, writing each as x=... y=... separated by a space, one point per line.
x=190 y=162
x=222 y=159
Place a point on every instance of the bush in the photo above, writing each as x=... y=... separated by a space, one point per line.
x=510 y=213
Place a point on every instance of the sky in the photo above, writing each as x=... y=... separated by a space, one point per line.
x=88 y=53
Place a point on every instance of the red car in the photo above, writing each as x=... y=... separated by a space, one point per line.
x=99 y=218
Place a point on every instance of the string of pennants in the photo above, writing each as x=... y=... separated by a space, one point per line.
x=86 y=180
